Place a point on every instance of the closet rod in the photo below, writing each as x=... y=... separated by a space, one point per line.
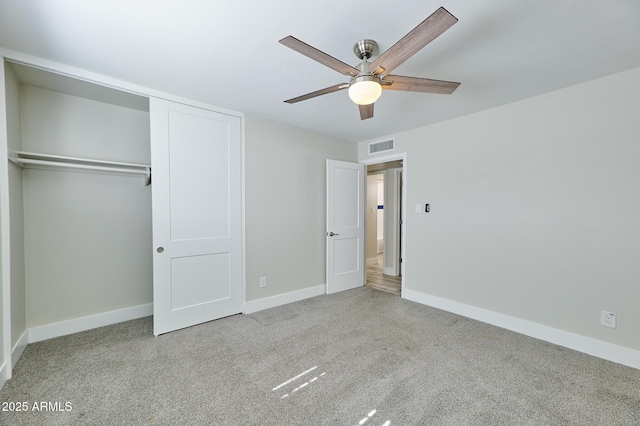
x=79 y=166
x=25 y=159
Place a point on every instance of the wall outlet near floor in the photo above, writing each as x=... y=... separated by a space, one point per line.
x=608 y=319
x=263 y=282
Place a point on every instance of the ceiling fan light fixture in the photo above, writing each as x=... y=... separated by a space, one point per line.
x=364 y=89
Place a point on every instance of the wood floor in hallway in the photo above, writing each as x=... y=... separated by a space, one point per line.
x=377 y=280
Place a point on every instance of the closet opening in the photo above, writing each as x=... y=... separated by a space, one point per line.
x=80 y=219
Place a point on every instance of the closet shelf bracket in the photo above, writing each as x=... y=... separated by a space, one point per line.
x=30 y=159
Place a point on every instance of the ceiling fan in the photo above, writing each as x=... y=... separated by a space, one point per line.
x=368 y=79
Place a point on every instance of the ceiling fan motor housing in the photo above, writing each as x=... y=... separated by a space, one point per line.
x=364 y=88
x=364 y=49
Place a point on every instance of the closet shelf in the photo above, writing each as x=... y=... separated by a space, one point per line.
x=26 y=159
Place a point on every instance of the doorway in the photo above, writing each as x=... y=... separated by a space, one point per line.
x=384 y=233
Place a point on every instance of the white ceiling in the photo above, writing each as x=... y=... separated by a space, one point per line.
x=227 y=53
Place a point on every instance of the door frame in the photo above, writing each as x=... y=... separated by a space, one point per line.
x=6 y=362
x=403 y=207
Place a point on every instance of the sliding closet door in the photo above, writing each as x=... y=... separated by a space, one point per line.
x=196 y=158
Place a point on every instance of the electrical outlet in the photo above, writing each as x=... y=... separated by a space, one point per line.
x=263 y=282
x=608 y=319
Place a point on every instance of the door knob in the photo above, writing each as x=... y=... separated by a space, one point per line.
x=160 y=249
x=331 y=234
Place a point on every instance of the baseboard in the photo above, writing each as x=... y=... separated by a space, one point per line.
x=19 y=347
x=4 y=371
x=389 y=271
x=283 y=299
x=16 y=352
x=49 y=331
x=372 y=261
x=588 y=345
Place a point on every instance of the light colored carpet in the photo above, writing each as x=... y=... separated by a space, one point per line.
x=369 y=357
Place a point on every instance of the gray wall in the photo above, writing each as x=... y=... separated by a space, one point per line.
x=87 y=235
x=534 y=208
x=286 y=205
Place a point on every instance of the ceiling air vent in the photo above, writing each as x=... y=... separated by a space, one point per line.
x=382 y=146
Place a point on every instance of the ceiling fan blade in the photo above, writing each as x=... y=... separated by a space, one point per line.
x=319 y=56
x=366 y=111
x=416 y=84
x=436 y=24
x=318 y=93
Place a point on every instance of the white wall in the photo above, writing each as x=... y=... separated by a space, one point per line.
x=380 y=202
x=285 y=170
x=87 y=236
x=391 y=194
x=534 y=209
x=371 y=219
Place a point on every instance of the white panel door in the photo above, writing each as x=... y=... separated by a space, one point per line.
x=196 y=158
x=345 y=225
